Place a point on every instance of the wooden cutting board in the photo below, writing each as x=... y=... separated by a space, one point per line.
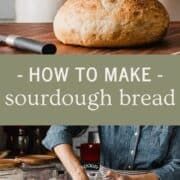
x=44 y=32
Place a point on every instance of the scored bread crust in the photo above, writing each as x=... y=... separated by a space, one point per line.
x=111 y=23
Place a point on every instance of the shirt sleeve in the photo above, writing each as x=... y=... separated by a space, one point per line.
x=57 y=135
x=171 y=168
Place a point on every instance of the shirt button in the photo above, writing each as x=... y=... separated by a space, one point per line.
x=132 y=152
x=136 y=133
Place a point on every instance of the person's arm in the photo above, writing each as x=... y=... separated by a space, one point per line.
x=59 y=139
x=115 y=176
x=149 y=176
x=70 y=161
x=58 y=134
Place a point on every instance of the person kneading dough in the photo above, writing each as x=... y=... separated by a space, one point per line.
x=111 y=23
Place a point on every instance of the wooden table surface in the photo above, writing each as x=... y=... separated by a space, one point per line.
x=44 y=32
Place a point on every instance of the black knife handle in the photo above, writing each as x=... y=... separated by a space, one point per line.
x=31 y=45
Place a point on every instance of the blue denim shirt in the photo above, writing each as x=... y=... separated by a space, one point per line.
x=155 y=148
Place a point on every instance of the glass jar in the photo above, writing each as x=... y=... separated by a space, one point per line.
x=36 y=10
x=11 y=173
x=61 y=172
x=173 y=8
x=39 y=172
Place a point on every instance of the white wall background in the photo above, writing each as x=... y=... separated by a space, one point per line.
x=7 y=9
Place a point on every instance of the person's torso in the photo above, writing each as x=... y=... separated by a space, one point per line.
x=134 y=147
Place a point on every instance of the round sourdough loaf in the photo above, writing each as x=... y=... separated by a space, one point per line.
x=111 y=23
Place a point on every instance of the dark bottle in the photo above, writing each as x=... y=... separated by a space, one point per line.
x=90 y=156
x=90 y=152
x=21 y=141
x=17 y=140
x=37 y=135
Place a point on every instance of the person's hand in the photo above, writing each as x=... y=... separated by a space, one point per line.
x=115 y=176
x=80 y=175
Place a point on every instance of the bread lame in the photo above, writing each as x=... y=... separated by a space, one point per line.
x=28 y=44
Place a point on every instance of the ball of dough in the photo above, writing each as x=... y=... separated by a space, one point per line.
x=111 y=23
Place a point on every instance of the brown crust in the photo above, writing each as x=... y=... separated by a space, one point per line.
x=8 y=163
x=42 y=157
x=35 y=159
x=30 y=161
x=111 y=23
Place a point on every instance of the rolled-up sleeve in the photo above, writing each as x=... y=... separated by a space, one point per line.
x=57 y=135
x=171 y=168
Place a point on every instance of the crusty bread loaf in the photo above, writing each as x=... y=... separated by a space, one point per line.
x=29 y=160
x=36 y=159
x=8 y=163
x=111 y=23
